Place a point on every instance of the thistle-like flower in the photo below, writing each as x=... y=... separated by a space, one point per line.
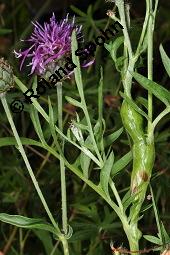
x=49 y=44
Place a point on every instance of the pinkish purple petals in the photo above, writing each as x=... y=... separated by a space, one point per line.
x=88 y=63
x=48 y=43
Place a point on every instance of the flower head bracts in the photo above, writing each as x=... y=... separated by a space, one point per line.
x=49 y=43
x=6 y=76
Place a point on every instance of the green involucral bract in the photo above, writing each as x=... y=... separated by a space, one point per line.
x=143 y=152
x=6 y=76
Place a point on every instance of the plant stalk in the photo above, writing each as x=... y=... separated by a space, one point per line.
x=62 y=167
x=24 y=156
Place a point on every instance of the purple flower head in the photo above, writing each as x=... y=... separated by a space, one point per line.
x=48 y=44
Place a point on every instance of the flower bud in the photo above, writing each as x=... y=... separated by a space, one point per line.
x=6 y=76
x=76 y=132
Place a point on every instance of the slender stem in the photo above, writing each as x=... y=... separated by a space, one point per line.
x=21 y=150
x=54 y=248
x=116 y=194
x=10 y=240
x=128 y=64
x=46 y=117
x=159 y=117
x=150 y=63
x=65 y=246
x=155 y=9
x=86 y=113
x=121 y=8
x=76 y=171
x=144 y=31
x=62 y=167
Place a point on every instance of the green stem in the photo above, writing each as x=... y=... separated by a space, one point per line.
x=21 y=150
x=158 y=118
x=116 y=194
x=150 y=62
x=86 y=113
x=144 y=31
x=62 y=167
x=77 y=172
x=65 y=246
x=121 y=8
x=46 y=117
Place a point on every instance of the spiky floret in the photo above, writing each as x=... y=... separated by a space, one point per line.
x=48 y=44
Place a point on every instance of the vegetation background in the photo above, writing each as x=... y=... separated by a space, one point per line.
x=93 y=221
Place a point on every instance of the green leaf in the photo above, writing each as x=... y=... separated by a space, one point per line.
x=7 y=141
x=127 y=200
x=36 y=122
x=105 y=173
x=153 y=239
x=158 y=91
x=121 y=163
x=79 y=12
x=85 y=163
x=5 y=31
x=143 y=101
x=165 y=59
x=100 y=97
x=113 y=47
x=51 y=122
x=46 y=240
x=112 y=137
x=25 y=222
x=73 y=102
x=165 y=234
x=119 y=62
x=134 y=105
x=77 y=70
x=157 y=217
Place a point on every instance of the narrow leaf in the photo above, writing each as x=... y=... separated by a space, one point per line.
x=51 y=122
x=165 y=59
x=46 y=240
x=25 y=222
x=36 y=122
x=157 y=90
x=85 y=163
x=143 y=101
x=113 y=47
x=121 y=163
x=134 y=105
x=7 y=141
x=100 y=97
x=153 y=239
x=4 y=31
x=79 y=12
x=105 y=173
x=73 y=101
x=77 y=70
x=112 y=137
